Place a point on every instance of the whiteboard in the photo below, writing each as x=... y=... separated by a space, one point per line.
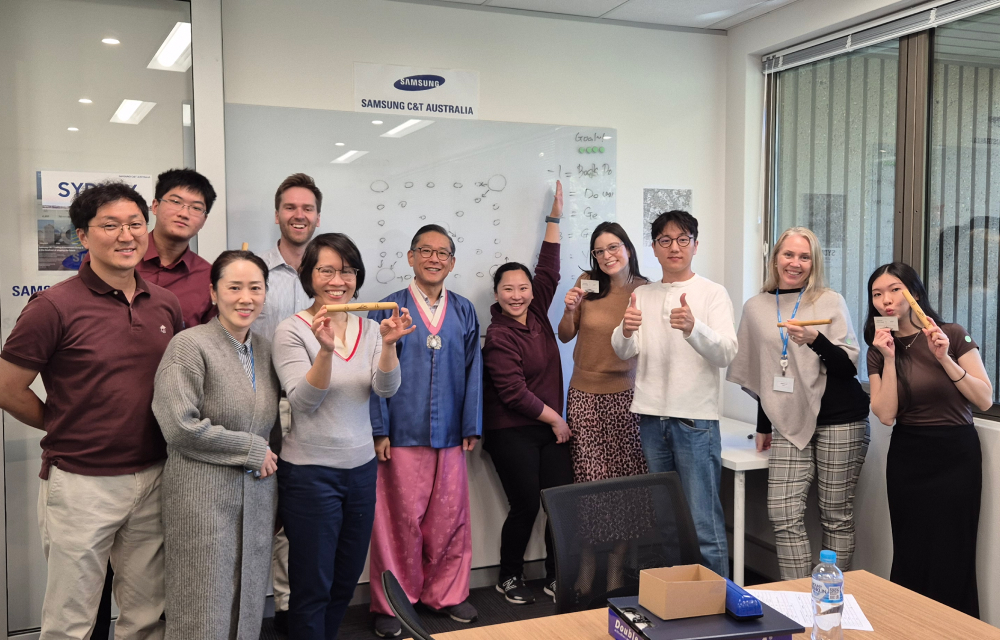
x=490 y=184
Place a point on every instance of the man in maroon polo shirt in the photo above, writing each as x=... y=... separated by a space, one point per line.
x=96 y=339
x=181 y=203
x=183 y=200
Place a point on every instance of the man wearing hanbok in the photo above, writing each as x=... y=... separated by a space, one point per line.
x=422 y=530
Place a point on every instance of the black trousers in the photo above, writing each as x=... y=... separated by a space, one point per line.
x=934 y=482
x=527 y=459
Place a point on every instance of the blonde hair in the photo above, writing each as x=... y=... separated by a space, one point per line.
x=815 y=285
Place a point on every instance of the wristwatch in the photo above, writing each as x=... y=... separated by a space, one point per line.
x=551 y=219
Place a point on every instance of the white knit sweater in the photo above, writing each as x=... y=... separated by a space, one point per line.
x=677 y=376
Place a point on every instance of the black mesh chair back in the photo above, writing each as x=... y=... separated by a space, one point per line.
x=403 y=608
x=605 y=532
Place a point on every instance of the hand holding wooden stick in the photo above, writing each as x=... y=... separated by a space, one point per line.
x=805 y=323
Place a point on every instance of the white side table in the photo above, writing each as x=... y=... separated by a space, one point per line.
x=739 y=453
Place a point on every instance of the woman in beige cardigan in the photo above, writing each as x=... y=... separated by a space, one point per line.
x=216 y=399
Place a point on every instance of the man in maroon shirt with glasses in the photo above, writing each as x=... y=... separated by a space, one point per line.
x=96 y=339
x=182 y=201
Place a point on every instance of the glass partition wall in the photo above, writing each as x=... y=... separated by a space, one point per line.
x=87 y=87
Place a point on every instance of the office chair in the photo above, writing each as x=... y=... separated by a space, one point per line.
x=402 y=608
x=605 y=532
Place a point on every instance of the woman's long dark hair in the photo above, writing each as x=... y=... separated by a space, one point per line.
x=596 y=273
x=911 y=280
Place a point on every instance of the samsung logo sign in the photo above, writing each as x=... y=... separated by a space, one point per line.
x=418 y=83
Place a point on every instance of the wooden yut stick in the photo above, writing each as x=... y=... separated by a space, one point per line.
x=921 y=316
x=362 y=306
x=246 y=246
x=805 y=323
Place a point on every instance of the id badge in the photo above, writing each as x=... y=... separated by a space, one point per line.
x=590 y=286
x=783 y=384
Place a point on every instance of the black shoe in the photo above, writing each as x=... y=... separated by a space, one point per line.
x=387 y=626
x=281 y=622
x=462 y=612
x=515 y=591
x=550 y=589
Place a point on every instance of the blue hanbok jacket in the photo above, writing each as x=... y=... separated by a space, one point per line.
x=440 y=400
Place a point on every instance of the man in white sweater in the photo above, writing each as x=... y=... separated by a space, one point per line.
x=686 y=336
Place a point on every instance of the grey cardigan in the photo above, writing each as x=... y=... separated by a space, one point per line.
x=330 y=427
x=757 y=363
x=218 y=520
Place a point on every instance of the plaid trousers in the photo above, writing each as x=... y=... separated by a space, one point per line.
x=834 y=455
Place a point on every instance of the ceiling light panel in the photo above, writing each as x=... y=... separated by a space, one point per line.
x=407 y=128
x=349 y=157
x=175 y=52
x=132 y=111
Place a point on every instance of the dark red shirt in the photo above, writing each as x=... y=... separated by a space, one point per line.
x=97 y=355
x=189 y=279
x=522 y=371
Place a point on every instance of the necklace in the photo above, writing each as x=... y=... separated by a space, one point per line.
x=912 y=340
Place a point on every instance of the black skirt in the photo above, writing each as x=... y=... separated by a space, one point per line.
x=934 y=482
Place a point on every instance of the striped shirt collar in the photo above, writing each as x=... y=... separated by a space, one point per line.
x=245 y=352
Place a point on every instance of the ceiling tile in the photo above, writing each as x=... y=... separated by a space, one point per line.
x=586 y=8
x=682 y=13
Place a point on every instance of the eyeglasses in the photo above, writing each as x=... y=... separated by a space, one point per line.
x=173 y=204
x=425 y=252
x=666 y=241
x=113 y=229
x=347 y=273
x=610 y=249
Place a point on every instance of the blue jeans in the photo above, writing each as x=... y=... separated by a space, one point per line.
x=328 y=515
x=695 y=453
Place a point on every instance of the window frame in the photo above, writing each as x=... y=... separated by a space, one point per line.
x=916 y=59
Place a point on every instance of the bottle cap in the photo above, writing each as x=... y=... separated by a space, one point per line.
x=828 y=557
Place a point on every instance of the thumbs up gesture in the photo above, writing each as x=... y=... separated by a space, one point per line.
x=682 y=318
x=633 y=318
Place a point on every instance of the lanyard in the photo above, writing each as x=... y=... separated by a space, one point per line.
x=782 y=332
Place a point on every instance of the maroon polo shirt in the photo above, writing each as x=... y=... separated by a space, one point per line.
x=97 y=355
x=189 y=279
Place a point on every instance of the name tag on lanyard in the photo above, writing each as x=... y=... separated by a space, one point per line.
x=783 y=384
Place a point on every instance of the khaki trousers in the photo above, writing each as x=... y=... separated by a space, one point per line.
x=279 y=550
x=84 y=521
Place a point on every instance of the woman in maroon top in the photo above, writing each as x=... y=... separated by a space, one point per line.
x=524 y=430
x=927 y=380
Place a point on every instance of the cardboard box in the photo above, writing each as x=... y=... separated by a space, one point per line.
x=684 y=591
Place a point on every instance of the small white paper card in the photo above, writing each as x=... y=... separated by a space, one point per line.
x=784 y=385
x=590 y=286
x=887 y=322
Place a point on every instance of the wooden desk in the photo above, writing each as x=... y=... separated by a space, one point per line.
x=895 y=613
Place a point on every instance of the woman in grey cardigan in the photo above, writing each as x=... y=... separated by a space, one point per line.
x=805 y=381
x=329 y=365
x=216 y=399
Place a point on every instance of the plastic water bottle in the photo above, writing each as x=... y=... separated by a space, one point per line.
x=828 y=598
